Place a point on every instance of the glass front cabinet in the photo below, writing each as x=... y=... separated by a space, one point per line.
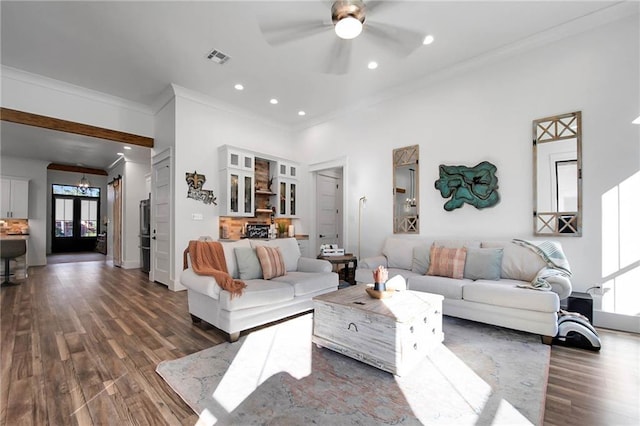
x=287 y=191
x=237 y=178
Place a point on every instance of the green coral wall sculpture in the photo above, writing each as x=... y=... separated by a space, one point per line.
x=476 y=185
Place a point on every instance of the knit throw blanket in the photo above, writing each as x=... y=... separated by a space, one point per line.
x=552 y=254
x=207 y=258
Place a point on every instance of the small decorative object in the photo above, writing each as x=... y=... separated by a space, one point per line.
x=195 y=191
x=282 y=229
x=476 y=185
x=379 y=289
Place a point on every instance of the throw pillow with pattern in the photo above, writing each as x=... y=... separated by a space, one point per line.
x=271 y=262
x=447 y=262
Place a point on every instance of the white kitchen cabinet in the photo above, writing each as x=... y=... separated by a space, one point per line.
x=231 y=158
x=287 y=170
x=14 y=201
x=287 y=197
x=237 y=198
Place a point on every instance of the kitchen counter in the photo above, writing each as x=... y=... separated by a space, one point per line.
x=14 y=237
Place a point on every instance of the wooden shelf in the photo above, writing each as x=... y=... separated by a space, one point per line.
x=263 y=210
x=264 y=192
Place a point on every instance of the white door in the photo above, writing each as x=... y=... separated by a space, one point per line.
x=160 y=270
x=327 y=188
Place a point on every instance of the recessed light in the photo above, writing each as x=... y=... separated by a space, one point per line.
x=120 y=153
x=273 y=101
x=301 y=113
x=428 y=39
x=127 y=147
x=239 y=86
x=372 y=65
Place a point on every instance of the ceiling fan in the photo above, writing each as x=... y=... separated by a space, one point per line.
x=350 y=19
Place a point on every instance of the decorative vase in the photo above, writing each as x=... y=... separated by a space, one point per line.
x=380 y=287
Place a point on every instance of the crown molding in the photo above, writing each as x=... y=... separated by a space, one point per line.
x=207 y=100
x=71 y=89
x=608 y=14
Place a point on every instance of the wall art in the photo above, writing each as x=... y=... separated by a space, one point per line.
x=477 y=186
x=195 y=191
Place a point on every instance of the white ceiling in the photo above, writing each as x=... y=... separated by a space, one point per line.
x=134 y=50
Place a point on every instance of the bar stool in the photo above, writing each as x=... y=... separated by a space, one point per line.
x=10 y=249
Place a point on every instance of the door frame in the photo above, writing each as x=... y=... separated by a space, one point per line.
x=77 y=242
x=166 y=154
x=314 y=169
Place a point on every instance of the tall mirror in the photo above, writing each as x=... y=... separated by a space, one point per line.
x=557 y=168
x=406 y=200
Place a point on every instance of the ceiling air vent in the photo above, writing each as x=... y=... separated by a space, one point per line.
x=218 y=57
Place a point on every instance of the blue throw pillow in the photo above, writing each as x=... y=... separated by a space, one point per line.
x=248 y=264
x=483 y=264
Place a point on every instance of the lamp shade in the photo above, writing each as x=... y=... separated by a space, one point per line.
x=348 y=28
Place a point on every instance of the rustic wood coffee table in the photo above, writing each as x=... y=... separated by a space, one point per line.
x=392 y=334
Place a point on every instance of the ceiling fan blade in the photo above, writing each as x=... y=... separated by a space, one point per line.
x=400 y=39
x=277 y=35
x=374 y=7
x=339 y=57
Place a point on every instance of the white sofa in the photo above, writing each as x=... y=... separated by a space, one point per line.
x=497 y=301
x=262 y=301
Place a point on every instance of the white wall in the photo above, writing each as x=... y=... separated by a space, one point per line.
x=486 y=115
x=134 y=189
x=36 y=172
x=201 y=127
x=72 y=178
x=36 y=94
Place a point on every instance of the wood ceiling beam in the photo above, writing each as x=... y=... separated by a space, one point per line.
x=29 y=119
x=76 y=169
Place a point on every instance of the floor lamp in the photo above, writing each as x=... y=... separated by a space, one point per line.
x=361 y=204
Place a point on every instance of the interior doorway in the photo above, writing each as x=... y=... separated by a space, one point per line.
x=329 y=207
x=75 y=214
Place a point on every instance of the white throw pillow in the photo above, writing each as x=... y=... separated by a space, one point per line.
x=399 y=252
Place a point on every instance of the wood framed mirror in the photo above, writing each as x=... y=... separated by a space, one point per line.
x=557 y=175
x=406 y=199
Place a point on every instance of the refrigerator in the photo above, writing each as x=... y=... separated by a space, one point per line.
x=145 y=237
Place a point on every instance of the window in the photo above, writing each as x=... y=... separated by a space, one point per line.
x=88 y=218
x=64 y=217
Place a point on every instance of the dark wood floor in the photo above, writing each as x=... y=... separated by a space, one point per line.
x=80 y=344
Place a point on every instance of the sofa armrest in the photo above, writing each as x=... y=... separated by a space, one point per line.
x=204 y=284
x=560 y=285
x=372 y=262
x=307 y=264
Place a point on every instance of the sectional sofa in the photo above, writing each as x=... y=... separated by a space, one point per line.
x=488 y=292
x=262 y=301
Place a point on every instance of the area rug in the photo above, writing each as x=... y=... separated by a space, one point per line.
x=275 y=376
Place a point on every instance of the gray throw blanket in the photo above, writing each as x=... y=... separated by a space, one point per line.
x=552 y=254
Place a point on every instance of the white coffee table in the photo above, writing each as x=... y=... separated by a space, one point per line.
x=392 y=334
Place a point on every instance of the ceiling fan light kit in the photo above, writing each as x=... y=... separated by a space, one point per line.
x=348 y=17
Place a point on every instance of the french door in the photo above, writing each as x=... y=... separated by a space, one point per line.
x=75 y=222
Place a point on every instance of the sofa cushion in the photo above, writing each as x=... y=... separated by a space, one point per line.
x=457 y=243
x=309 y=282
x=399 y=252
x=248 y=263
x=447 y=262
x=288 y=247
x=518 y=263
x=257 y=293
x=483 y=264
x=365 y=275
x=507 y=293
x=420 y=261
x=230 y=256
x=450 y=288
x=271 y=262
